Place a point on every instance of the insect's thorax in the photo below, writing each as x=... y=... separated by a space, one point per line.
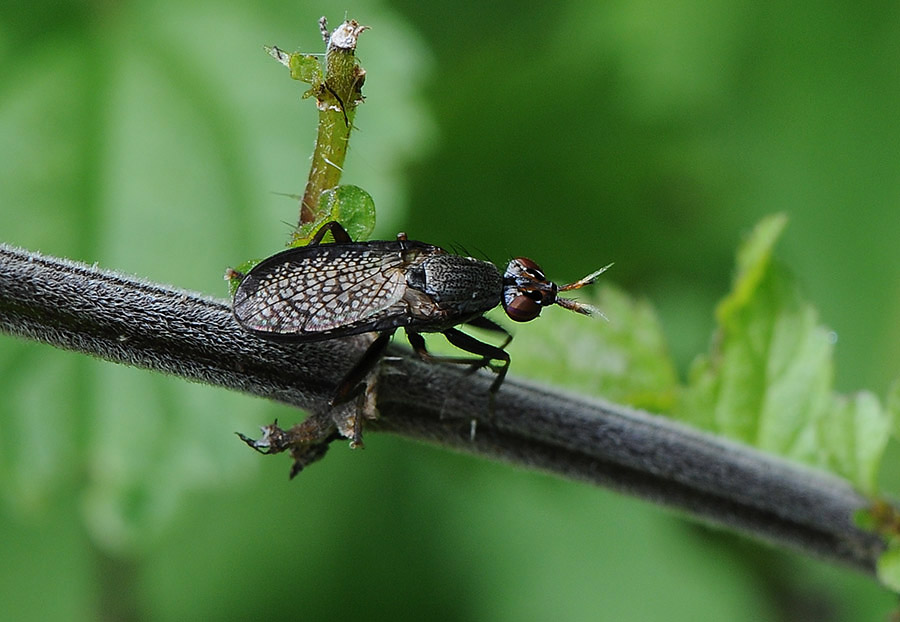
x=460 y=287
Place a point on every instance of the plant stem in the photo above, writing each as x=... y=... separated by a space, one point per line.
x=126 y=320
x=337 y=98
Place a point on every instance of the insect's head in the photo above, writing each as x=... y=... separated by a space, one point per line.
x=526 y=291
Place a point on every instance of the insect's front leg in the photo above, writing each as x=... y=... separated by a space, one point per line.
x=465 y=342
x=487 y=324
x=417 y=341
x=485 y=350
x=461 y=340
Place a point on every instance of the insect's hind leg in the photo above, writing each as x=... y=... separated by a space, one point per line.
x=351 y=385
x=337 y=230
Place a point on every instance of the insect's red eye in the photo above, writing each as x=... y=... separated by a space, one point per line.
x=523 y=308
x=531 y=268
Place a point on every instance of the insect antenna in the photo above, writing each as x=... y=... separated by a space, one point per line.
x=580 y=307
x=586 y=280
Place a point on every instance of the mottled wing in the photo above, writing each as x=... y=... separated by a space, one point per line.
x=323 y=291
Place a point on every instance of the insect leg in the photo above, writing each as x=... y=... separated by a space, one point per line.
x=338 y=232
x=485 y=350
x=488 y=324
x=351 y=385
x=465 y=342
x=417 y=341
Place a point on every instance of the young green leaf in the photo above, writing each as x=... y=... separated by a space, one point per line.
x=768 y=379
x=893 y=406
x=234 y=276
x=888 y=568
x=306 y=68
x=351 y=206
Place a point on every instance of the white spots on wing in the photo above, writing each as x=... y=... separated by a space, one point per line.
x=321 y=290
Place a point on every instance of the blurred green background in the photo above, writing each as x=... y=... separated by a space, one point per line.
x=152 y=136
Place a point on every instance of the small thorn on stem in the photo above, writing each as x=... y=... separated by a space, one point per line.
x=232 y=274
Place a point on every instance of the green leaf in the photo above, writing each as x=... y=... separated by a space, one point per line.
x=752 y=262
x=893 y=406
x=768 y=379
x=622 y=358
x=888 y=567
x=306 y=68
x=854 y=433
x=351 y=206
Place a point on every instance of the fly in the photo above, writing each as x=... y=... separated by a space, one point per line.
x=330 y=290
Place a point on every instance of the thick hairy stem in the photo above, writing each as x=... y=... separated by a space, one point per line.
x=130 y=321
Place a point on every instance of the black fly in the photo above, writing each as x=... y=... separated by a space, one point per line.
x=323 y=291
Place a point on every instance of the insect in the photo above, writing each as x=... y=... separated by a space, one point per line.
x=329 y=290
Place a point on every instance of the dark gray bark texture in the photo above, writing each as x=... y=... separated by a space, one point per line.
x=128 y=320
